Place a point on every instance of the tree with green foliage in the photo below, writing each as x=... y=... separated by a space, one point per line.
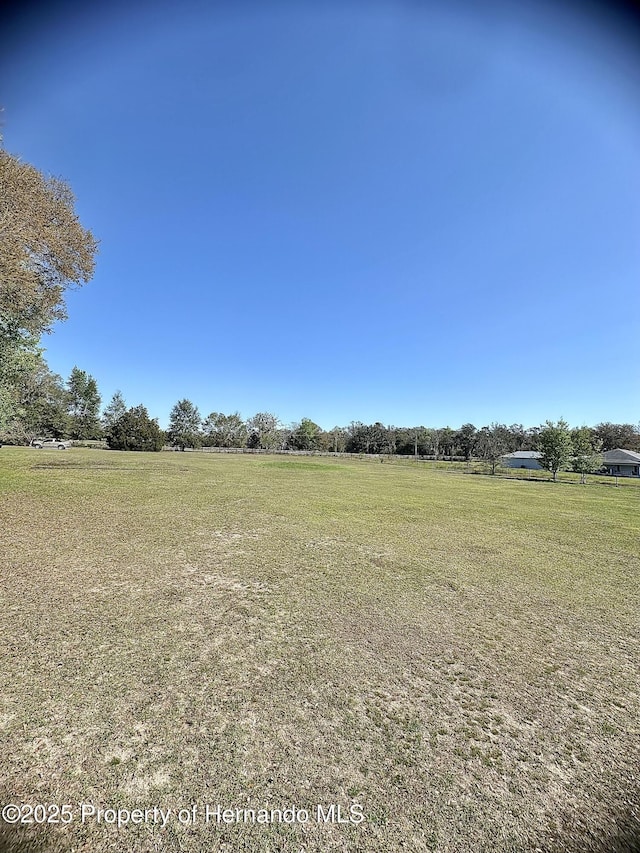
x=448 y=441
x=45 y=411
x=184 y=425
x=586 y=457
x=371 y=438
x=412 y=441
x=554 y=445
x=493 y=442
x=44 y=249
x=466 y=438
x=135 y=430
x=41 y=407
x=530 y=439
x=220 y=430
x=613 y=436
x=358 y=438
x=84 y=406
x=264 y=431
x=305 y=436
x=335 y=440
x=383 y=438
x=20 y=357
x=112 y=412
x=33 y=400
x=432 y=441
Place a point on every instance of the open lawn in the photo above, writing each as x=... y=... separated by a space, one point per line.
x=456 y=654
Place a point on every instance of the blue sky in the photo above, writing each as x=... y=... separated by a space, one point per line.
x=418 y=213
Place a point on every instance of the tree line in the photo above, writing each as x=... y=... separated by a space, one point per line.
x=265 y=431
x=44 y=250
x=72 y=410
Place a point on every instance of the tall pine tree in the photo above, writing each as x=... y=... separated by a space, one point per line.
x=84 y=406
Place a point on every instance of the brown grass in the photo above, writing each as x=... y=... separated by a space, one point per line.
x=457 y=654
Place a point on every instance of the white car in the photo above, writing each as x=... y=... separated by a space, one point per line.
x=51 y=443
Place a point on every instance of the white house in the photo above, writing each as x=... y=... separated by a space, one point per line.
x=523 y=459
x=621 y=463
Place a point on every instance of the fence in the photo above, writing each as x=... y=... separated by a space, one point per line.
x=339 y=454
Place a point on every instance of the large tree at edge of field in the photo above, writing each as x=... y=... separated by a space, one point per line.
x=305 y=436
x=220 y=430
x=44 y=249
x=263 y=429
x=184 y=425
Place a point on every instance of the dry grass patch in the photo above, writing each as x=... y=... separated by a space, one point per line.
x=458 y=654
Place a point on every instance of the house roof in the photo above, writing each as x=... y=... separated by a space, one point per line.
x=523 y=454
x=619 y=456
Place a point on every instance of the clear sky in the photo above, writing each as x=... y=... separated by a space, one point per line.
x=418 y=213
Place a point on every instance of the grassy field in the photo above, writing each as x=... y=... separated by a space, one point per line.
x=456 y=654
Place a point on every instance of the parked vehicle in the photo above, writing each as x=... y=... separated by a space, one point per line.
x=50 y=443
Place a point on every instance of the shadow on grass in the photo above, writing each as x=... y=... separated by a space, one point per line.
x=37 y=839
x=626 y=840
x=577 y=839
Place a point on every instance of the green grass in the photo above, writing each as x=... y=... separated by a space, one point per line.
x=458 y=654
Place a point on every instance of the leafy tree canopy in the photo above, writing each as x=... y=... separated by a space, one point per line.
x=554 y=444
x=33 y=401
x=113 y=411
x=84 y=405
x=467 y=437
x=612 y=436
x=493 y=442
x=184 y=425
x=263 y=431
x=371 y=438
x=224 y=430
x=43 y=248
x=586 y=456
x=305 y=436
